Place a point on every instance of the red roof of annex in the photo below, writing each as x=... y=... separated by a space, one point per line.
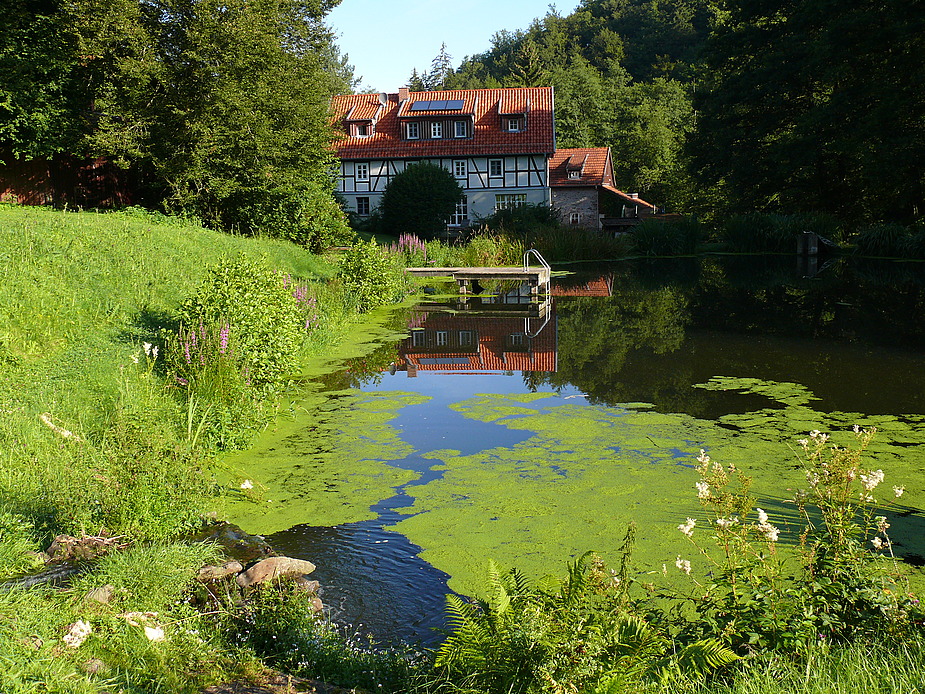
x=484 y=107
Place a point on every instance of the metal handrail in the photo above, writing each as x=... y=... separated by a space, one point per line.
x=538 y=257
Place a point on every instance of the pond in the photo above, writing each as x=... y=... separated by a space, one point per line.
x=531 y=433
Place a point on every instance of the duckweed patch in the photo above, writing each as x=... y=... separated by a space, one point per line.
x=589 y=470
x=325 y=467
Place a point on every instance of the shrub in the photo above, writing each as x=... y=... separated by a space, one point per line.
x=419 y=200
x=676 y=237
x=243 y=314
x=840 y=591
x=370 y=276
x=304 y=214
x=580 y=634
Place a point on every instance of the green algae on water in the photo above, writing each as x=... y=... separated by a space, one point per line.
x=326 y=467
x=589 y=470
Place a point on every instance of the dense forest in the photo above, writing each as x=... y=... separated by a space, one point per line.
x=712 y=106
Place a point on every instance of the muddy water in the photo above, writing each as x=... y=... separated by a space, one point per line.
x=498 y=430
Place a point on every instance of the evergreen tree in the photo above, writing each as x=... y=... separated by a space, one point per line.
x=441 y=67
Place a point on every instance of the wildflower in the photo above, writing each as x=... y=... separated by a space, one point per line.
x=147 y=346
x=154 y=351
x=877 y=543
x=871 y=480
x=77 y=633
x=688 y=527
x=882 y=525
x=898 y=491
x=134 y=358
x=703 y=490
x=726 y=522
x=812 y=478
x=771 y=533
x=856 y=429
x=223 y=338
x=186 y=345
x=154 y=633
x=247 y=484
x=804 y=443
x=683 y=565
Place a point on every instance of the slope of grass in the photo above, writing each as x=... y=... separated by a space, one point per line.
x=95 y=441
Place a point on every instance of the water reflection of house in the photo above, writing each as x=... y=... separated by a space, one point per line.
x=595 y=286
x=472 y=343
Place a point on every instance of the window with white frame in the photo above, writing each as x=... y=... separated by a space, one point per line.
x=513 y=125
x=436 y=130
x=460 y=170
x=361 y=169
x=363 y=206
x=417 y=337
x=413 y=130
x=461 y=216
x=495 y=168
x=441 y=336
x=508 y=201
x=362 y=130
x=575 y=218
x=466 y=338
x=574 y=174
x=461 y=129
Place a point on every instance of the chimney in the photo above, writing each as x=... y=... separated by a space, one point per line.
x=402 y=94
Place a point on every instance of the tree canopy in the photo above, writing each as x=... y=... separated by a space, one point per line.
x=221 y=105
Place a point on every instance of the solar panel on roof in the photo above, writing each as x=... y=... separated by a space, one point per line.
x=442 y=105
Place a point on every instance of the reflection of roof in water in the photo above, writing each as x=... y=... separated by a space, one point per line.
x=471 y=343
x=599 y=286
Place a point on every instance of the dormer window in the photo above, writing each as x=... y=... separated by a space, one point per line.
x=362 y=130
x=461 y=129
x=436 y=130
x=574 y=174
x=413 y=130
x=513 y=125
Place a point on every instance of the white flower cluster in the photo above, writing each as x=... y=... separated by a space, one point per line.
x=683 y=565
x=725 y=523
x=769 y=531
x=703 y=490
x=688 y=527
x=77 y=633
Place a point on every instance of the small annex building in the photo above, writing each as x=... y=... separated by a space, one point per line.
x=584 y=193
x=500 y=144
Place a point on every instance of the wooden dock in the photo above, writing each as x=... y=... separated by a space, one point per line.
x=466 y=276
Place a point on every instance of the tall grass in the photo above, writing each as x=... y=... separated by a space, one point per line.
x=858 y=668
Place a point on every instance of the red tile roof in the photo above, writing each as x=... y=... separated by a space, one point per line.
x=595 y=169
x=483 y=106
x=593 y=163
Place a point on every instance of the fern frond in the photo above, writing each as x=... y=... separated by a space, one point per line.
x=704 y=656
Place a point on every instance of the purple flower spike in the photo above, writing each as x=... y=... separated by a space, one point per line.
x=223 y=338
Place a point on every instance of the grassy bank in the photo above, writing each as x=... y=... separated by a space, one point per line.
x=102 y=439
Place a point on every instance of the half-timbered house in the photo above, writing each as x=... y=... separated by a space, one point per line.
x=496 y=142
